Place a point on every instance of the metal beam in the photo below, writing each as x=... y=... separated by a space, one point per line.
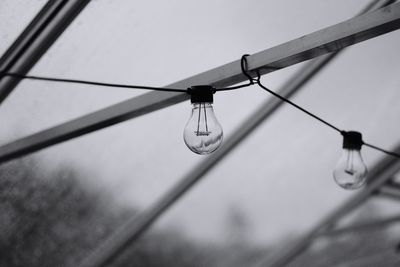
x=389 y=191
x=304 y=48
x=360 y=227
x=382 y=172
x=385 y=257
x=137 y=226
x=29 y=34
x=37 y=37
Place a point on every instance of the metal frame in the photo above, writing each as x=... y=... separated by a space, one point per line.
x=57 y=15
x=34 y=41
x=386 y=257
x=390 y=190
x=381 y=174
x=321 y=42
x=136 y=226
x=364 y=226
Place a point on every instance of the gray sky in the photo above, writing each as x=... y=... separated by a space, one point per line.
x=280 y=176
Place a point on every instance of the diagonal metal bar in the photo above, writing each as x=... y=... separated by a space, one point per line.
x=34 y=41
x=385 y=257
x=30 y=33
x=389 y=192
x=381 y=173
x=321 y=42
x=136 y=227
x=361 y=227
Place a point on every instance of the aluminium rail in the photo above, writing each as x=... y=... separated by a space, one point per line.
x=318 y=43
x=135 y=227
x=35 y=40
x=328 y=40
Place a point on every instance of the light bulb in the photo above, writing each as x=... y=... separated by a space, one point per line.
x=351 y=172
x=203 y=133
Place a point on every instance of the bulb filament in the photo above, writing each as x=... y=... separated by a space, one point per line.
x=349 y=166
x=199 y=132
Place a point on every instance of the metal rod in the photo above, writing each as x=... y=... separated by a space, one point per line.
x=30 y=33
x=135 y=227
x=382 y=172
x=389 y=192
x=360 y=227
x=322 y=42
x=35 y=40
x=385 y=256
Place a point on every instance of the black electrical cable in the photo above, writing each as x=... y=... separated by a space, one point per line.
x=42 y=78
x=244 y=68
x=391 y=153
x=63 y=80
x=298 y=107
x=233 y=87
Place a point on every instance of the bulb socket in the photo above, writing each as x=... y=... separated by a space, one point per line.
x=201 y=94
x=352 y=140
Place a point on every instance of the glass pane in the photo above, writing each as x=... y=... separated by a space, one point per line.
x=15 y=16
x=275 y=186
x=369 y=237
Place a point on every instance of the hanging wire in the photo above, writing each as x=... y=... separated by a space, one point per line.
x=244 y=68
x=51 y=79
x=63 y=80
x=298 y=107
x=233 y=87
x=245 y=72
x=326 y=123
x=391 y=153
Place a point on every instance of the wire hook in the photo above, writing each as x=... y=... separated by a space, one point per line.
x=258 y=77
x=244 y=67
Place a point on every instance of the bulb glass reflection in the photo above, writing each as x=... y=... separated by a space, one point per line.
x=203 y=133
x=350 y=172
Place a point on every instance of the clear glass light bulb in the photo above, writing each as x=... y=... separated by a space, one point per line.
x=203 y=133
x=350 y=172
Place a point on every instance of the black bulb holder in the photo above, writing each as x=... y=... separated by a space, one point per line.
x=201 y=94
x=352 y=140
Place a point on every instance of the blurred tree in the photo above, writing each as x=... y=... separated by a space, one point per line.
x=237 y=226
x=373 y=248
x=50 y=219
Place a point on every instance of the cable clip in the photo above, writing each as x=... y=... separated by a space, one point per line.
x=244 y=66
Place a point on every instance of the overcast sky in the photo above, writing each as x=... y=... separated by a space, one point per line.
x=281 y=176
